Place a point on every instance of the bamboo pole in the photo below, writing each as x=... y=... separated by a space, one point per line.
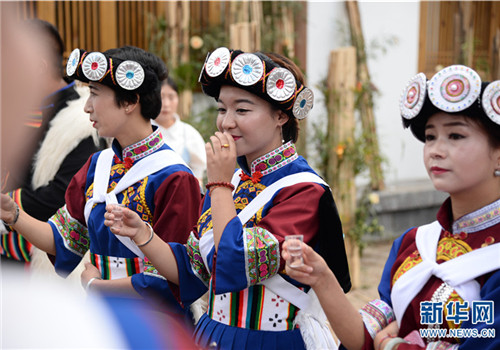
x=373 y=159
x=341 y=81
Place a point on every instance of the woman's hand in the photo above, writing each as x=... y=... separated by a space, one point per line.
x=8 y=209
x=386 y=334
x=90 y=272
x=314 y=269
x=131 y=225
x=221 y=157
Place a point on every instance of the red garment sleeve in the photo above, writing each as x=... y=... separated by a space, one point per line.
x=295 y=211
x=177 y=203
x=75 y=193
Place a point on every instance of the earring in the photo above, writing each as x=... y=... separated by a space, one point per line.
x=497 y=173
x=281 y=133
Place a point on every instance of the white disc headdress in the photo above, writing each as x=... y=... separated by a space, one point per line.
x=413 y=96
x=247 y=69
x=217 y=62
x=129 y=75
x=303 y=103
x=94 y=66
x=280 y=84
x=454 y=88
x=73 y=61
x=491 y=101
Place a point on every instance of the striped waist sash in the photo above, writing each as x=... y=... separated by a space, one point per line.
x=114 y=267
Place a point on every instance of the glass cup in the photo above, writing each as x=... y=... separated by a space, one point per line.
x=295 y=250
x=118 y=214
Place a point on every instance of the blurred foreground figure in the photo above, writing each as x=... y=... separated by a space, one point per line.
x=60 y=136
x=63 y=319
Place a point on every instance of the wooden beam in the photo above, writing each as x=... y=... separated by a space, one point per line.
x=107 y=25
x=341 y=81
x=46 y=10
x=373 y=158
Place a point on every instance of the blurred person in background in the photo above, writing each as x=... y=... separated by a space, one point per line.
x=181 y=136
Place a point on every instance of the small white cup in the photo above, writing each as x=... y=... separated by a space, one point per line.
x=118 y=214
x=295 y=250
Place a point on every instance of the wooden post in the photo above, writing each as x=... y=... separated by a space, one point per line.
x=108 y=24
x=366 y=106
x=341 y=123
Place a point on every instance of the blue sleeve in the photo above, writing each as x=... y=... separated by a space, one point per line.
x=489 y=291
x=193 y=281
x=71 y=241
x=153 y=287
x=384 y=288
x=252 y=253
x=231 y=252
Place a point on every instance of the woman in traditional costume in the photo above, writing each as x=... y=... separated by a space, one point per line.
x=139 y=171
x=441 y=280
x=246 y=215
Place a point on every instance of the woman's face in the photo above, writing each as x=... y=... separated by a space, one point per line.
x=458 y=156
x=252 y=122
x=106 y=116
x=169 y=103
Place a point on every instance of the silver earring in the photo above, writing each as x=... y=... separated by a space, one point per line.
x=497 y=173
x=281 y=133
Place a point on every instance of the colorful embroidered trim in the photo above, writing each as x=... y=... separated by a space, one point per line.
x=479 y=220
x=144 y=147
x=377 y=314
x=74 y=234
x=197 y=264
x=14 y=246
x=254 y=308
x=114 y=267
x=261 y=254
x=150 y=270
x=276 y=159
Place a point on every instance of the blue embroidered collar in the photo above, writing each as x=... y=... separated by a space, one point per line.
x=272 y=161
x=142 y=148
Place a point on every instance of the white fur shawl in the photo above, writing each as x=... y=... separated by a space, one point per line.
x=68 y=128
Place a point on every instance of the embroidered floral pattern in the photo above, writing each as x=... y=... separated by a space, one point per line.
x=377 y=314
x=197 y=264
x=449 y=248
x=261 y=249
x=479 y=220
x=150 y=270
x=134 y=197
x=276 y=159
x=412 y=260
x=144 y=147
x=74 y=234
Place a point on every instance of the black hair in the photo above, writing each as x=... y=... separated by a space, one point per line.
x=53 y=41
x=149 y=94
x=475 y=112
x=170 y=82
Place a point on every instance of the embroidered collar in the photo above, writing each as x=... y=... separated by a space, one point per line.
x=142 y=148
x=478 y=220
x=270 y=162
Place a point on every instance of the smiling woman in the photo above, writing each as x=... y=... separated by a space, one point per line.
x=139 y=171
x=234 y=254
x=435 y=274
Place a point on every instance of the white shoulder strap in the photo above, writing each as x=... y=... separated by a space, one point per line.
x=207 y=242
x=147 y=166
x=268 y=193
x=459 y=273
